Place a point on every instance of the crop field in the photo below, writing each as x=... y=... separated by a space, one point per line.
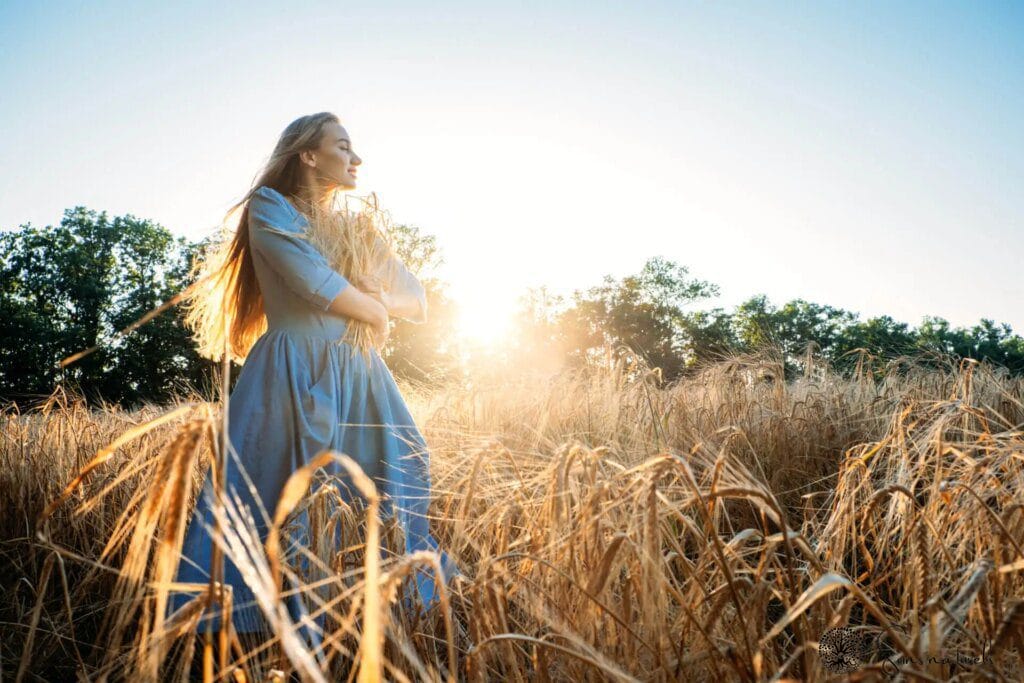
x=729 y=526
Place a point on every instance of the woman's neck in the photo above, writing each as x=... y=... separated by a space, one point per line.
x=307 y=198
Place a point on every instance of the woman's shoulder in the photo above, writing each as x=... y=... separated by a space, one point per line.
x=268 y=198
x=270 y=194
x=270 y=205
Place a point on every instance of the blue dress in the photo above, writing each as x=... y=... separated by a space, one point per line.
x=299 y=392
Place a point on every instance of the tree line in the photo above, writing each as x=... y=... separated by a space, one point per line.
x=650 y=314
x=73 y=286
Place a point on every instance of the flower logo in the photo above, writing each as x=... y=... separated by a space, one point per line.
x=842 y=650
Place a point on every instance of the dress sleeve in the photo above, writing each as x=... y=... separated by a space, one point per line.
x=401 y=281
x=275 y=234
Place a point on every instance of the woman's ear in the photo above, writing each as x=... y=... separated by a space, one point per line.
x=308 y=157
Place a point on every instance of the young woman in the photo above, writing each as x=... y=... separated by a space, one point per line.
x=278 y=305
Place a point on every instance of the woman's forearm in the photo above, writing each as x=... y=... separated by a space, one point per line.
x=355 y=304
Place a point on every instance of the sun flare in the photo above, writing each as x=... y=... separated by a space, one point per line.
x=482 y=323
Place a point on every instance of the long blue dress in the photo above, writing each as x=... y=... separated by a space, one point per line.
x=299 y=392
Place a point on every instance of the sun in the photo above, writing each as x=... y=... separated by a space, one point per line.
x=482 y=323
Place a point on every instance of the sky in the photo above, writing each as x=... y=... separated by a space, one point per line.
x=862 y=155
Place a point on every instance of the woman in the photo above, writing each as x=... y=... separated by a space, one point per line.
x=278 y=305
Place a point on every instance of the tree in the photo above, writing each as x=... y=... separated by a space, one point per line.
x=68 y=288
x=985 y=341
x=880 y=336
x=157 y=361
x=792 y=328
x=540 y=341
x=708 y=336
x=72 y=287
x=643 y=312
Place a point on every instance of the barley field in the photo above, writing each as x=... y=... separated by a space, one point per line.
x=731 y=526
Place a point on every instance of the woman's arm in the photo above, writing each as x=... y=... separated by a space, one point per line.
x=401 y=292
x=275 y=237
x=355 y=304
x=398 y=304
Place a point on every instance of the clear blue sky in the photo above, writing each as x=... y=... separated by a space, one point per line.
x=863 y=155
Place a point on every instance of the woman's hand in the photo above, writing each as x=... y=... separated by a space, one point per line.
x=373 y=286
x=381 y=332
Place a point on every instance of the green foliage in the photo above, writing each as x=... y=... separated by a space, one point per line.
x=645 y=313
x=708 y=336
x=417 y=250
x=793 y=329
x=984 y=341
x=839 y=336
x=642 y=312
x=68 y=288
x=881 y=336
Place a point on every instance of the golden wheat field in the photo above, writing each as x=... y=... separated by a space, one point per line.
x=612 y=528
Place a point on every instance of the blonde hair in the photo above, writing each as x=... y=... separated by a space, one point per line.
x=225 y=310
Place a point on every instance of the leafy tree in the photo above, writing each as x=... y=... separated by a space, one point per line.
x=157 y=360
x=540 y=340
x=708 y=336
x=69 y=288
x=793 y=328
x=425 y=352
x=880 y=336
x=642 y=312
x=985 y=341
x=27 y=336
x=72 y=287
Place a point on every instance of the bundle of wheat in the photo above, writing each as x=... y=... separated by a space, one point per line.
x=356 y=243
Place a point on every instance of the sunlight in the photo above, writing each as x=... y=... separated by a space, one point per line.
x=482 y=322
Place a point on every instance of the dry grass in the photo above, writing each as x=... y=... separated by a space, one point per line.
x=610 y=528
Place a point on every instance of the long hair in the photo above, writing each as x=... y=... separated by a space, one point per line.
x=225 y=312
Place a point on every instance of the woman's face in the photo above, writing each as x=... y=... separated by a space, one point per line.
x=335 y=160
